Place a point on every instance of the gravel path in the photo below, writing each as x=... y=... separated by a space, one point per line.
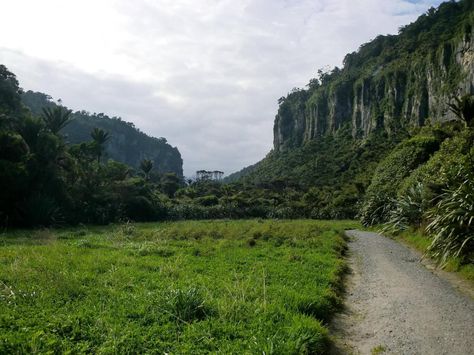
x=395 y=304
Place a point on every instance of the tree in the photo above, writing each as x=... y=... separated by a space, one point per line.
x=56 y=118
x=10 y=91
x=146 y=165
x=100 y=137
x=170 y=184
x=463 y=108
x=313 y=84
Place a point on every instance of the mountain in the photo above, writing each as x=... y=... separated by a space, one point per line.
x=127 y=144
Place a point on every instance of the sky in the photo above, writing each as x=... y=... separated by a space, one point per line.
x=204 y=74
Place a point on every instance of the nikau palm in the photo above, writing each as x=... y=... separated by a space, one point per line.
x=56 y=118
x=146 y=165
x=100 y=137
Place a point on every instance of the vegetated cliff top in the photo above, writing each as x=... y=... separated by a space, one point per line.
x=128 y=144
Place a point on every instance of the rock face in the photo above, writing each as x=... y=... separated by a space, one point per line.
x=391 y=83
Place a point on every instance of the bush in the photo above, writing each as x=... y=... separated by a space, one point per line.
x=452 y=222
x=209 y=200
x=390 y=174
x=442 y=167
x=407 y=210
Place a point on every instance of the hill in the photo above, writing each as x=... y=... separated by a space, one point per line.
x=127 y=144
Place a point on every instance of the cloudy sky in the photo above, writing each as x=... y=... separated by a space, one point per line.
x=205 y=74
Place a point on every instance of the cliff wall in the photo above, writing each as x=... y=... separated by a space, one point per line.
x=390 y=83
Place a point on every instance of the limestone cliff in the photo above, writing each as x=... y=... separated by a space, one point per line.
x=391 y=83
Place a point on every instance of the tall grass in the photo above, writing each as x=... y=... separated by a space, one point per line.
x=452 y=223
x=184 y=287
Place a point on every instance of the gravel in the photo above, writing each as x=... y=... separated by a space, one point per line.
x=396 y=305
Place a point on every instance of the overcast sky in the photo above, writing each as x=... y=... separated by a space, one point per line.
x=205 y=74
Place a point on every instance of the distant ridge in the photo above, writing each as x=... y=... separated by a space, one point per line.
x=127 y=144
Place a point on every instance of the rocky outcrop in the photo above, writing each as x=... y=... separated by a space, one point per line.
x=392 y=83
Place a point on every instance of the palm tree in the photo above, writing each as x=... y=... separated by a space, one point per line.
x=56 y=118
x=146 y=165
x=100 y=137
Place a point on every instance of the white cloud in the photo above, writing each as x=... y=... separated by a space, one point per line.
x=204 y=74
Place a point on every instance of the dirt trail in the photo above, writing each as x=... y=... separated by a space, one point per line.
x=395 y=304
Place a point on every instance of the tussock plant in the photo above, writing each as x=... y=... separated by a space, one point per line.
x=407 y=211
x=186 y=305
x=452 y=222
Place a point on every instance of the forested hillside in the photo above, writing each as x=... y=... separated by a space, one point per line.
x=127 y=144
x=330 y=136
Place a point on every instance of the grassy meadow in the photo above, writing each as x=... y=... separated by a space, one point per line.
x=184 y=287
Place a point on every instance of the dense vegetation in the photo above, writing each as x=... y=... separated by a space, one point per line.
x=45 y=181
x=437 y=197
x=126 y=145
x=375 y=139
x=388 y=137
x=199 y=287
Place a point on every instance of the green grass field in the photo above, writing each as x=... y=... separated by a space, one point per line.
x=185 y=287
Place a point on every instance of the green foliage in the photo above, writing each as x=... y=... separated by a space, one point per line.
x=390 y=173
x=146 y=165
x=55 y=119
x=127 y=143
x=443 y=165
x=170 y=183
x=50 y=182
x=186 y=287
x=99 y=137
x=408 y=210
x=9 y=92
x=452 y=222
x=439 y=194
x=325 y=178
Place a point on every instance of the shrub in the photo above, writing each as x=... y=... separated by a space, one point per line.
x=407 y=210
x=209 y=200
x=442 y=167
x=389 y=175
x=452 y=222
